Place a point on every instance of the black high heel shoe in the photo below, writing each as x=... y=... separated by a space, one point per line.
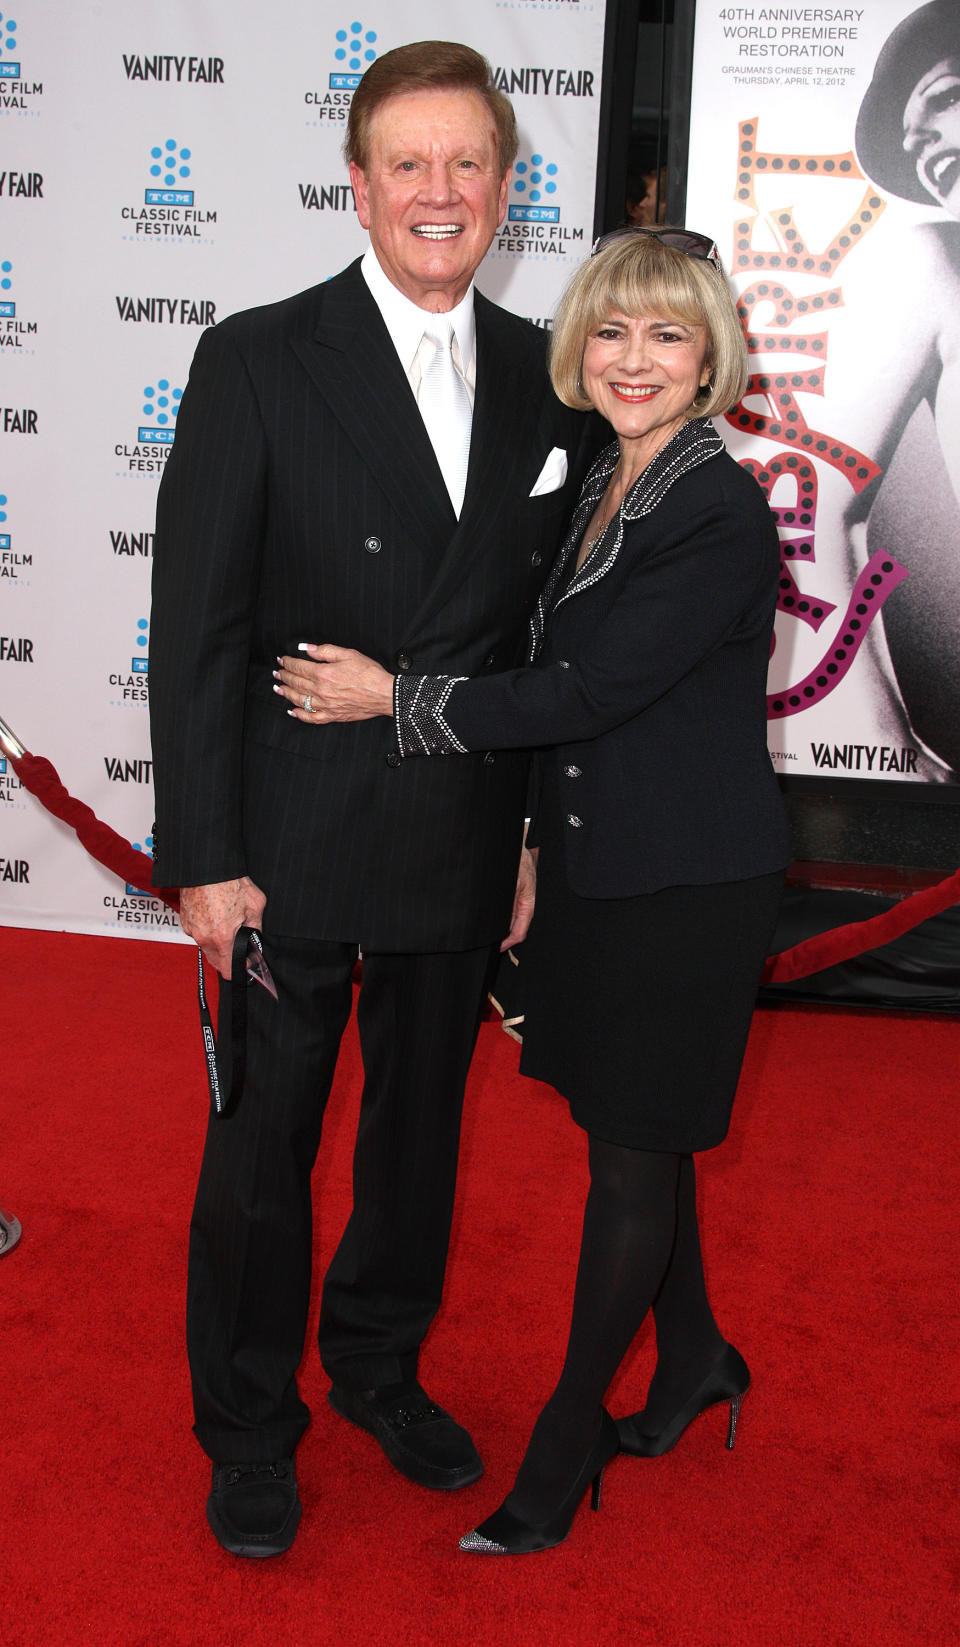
x=727 y=1380
x=504 y=1533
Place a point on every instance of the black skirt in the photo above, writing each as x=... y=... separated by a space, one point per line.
x=638 y=1009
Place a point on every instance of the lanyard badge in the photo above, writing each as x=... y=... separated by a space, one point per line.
x=248 y=965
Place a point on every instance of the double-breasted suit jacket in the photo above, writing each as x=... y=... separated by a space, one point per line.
x=649 y=686
x=303 y=502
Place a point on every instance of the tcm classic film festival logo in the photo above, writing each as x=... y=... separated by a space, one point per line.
x=159 y=405
x=170 y=209
x=131 y=685
x=355 y=47
x=18 y=333
x=135 y=908
x=534 y=225
x=19 y=94
x=11 y=789
x=15 y=565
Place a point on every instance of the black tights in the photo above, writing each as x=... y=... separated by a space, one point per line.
x=640 y=1247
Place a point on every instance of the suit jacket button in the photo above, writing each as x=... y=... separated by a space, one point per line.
x=393 y=759
x=404 y=661
x=489 y=758
x=536 y=558
x=572 y=772
x=562 y=663
x=489 y=661
x=372 y=545
x=574 y=821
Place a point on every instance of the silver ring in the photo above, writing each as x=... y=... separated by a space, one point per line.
x=308 y=704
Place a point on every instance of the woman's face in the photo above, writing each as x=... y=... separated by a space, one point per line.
x=642 y=374
x=931 y=132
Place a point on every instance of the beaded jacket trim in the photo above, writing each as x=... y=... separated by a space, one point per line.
x=418 y=705
x=694 y=443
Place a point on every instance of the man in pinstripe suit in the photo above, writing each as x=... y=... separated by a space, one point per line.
x=304 y=498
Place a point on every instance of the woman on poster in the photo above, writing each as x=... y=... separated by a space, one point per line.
x=896 y=348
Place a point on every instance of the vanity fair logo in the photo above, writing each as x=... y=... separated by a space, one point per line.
x=355 y=47
x=537 y=82
x=327 y=197
x=168 y=68
x=167 y=311
x=21 y=185
x=131 y=545
x=170 y=207
x=19 y=95
x=16 y=649
x=18 y=333
x=159 y=405
x=120 y=769
x=19 y=420
x=16 y=870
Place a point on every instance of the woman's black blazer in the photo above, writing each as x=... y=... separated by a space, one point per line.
x=649 y=684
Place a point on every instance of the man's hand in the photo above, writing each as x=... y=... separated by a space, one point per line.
x=523 y=898
x=212 y=916
x=333 y=683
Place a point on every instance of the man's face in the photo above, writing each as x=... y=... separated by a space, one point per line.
x=432 y=196
x=931 y=132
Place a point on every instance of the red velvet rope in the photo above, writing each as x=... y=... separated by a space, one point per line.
x=102 y=842
x=840 y=943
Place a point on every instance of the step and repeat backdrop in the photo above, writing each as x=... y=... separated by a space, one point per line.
x=825 y=159
x=160 y=168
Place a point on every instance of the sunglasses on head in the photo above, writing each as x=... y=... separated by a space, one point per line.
x=681 y=240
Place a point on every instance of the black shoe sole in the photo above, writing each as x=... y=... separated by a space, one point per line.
x=424 y=1475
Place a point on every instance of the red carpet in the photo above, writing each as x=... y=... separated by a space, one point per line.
x=831 y=1233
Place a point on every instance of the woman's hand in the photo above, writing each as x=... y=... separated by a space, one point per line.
x=332 y=683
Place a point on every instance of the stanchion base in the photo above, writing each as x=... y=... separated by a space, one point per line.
x=10 y=1233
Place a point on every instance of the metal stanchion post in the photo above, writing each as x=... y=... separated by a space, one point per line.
x=10 y=1232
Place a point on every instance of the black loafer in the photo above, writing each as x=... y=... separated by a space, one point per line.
x=254 y=1509
x=421 y=1441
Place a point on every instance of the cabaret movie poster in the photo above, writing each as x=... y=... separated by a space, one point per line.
x=825 y=161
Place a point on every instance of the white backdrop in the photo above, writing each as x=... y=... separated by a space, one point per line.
x=159 y=169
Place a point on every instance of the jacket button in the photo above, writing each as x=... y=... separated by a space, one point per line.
x=372 y=545
x=536 y=558
x=404 y=661
x=562 y=663
x=489 y=758
x=393 y=759
x=572 y=772
x=574 y=821
x=489 y=661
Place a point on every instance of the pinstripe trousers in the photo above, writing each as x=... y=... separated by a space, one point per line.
x=251 y=1233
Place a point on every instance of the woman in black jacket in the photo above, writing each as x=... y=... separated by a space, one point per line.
x=659 y=827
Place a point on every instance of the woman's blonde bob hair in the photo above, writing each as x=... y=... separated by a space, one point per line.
x=639 y=275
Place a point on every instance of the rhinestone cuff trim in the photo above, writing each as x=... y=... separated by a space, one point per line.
x=419 y=702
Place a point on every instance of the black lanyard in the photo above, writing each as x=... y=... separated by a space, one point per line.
x=246 y=937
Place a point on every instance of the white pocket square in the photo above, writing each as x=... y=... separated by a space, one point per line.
x=553 y=474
